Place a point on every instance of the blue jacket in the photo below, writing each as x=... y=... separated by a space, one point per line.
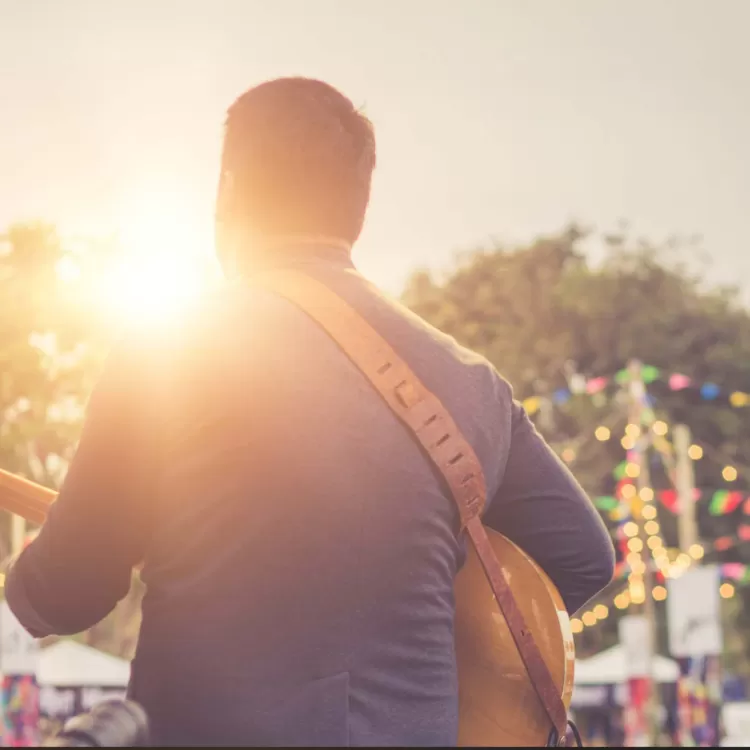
x=299 y=551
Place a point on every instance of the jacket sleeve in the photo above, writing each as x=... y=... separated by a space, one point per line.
x=542 y=508
x=79 y=566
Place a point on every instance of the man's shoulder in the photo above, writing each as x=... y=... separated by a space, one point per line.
x=439 y=342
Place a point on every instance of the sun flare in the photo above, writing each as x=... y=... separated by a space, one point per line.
x=165 y=261
x=145 y=289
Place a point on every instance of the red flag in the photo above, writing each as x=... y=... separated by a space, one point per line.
x=669 y=498
x=596 y=385
x=723 y=543
x=733 y=501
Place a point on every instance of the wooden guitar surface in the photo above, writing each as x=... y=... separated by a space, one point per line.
x=497 y=702
x=498 y=705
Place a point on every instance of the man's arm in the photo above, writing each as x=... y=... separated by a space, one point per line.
x=542 y=508
x=79 y=566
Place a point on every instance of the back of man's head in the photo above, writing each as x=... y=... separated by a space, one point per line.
x=297 y=161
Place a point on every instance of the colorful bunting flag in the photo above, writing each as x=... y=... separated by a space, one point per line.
x=723 y=543
x=724 y=502
x=619 y=472
x=678 y=382
x=743 y=532
x=669 y=499
x=596 y=385
x=606 y=503
x=733 y=570
x=710 y=391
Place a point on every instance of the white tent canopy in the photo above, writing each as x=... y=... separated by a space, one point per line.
x=610 y=668
x=71 y=664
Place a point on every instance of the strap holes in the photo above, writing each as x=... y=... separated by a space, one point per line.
x=430 y=420
x=383 y=369
x=443 y=439
x=467 y=479
x=456 y=459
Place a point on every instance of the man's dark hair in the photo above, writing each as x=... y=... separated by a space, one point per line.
x=298 y=159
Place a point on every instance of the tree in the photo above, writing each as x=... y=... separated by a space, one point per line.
x=542 y=311
x=51 y=351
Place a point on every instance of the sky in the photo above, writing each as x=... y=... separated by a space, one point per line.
x=495 y=119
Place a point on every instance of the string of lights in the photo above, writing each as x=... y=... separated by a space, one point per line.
x=666 y=562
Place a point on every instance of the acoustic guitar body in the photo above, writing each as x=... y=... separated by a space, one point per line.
x=498 y=706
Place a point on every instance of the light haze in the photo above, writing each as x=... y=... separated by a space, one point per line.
x=498 y=118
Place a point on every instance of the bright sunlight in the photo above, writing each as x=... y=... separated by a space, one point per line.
x=163 y=263
x=164 y=259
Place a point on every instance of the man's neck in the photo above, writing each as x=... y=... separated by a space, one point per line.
x=291 y=250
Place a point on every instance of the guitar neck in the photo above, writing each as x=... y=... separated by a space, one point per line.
x=25 y=498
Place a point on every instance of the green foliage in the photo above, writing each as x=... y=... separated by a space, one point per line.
x=51 y=351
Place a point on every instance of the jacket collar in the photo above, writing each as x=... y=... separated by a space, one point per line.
x=297 y=252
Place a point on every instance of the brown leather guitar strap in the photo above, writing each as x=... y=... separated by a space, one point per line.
x=431 y=424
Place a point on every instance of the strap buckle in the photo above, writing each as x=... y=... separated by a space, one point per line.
x=407 y=394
